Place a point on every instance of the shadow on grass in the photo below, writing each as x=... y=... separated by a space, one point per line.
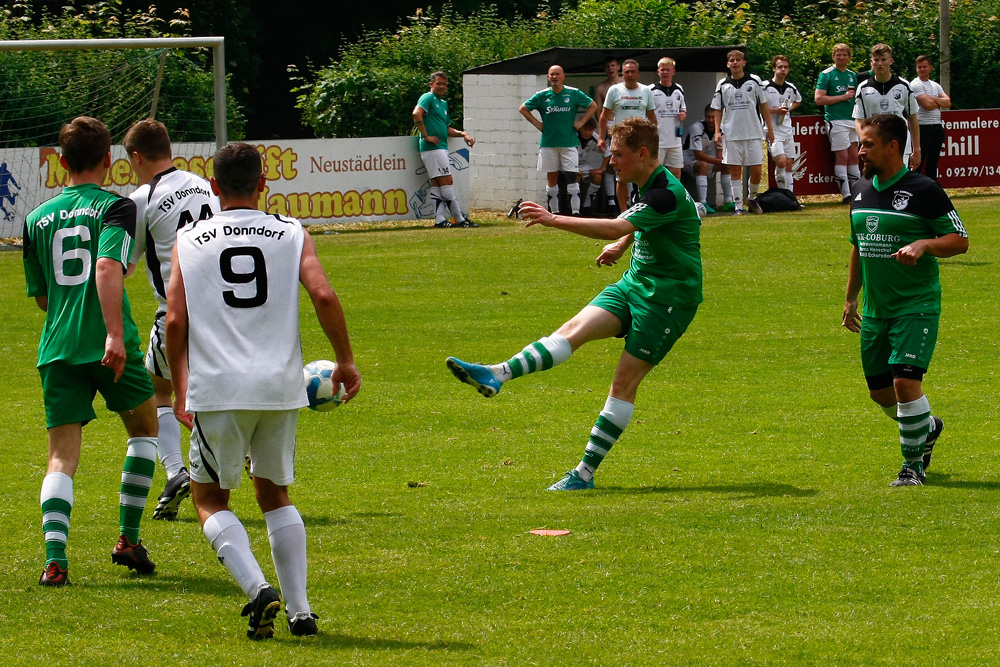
x=339 y=641
x=220 y=585
x=945 y=479
x=322 y=519
x=762 y=490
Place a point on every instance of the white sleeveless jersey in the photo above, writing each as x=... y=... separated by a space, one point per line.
x=173 y=199
x=241 y=280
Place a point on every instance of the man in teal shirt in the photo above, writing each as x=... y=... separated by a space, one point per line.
x=434 y=124
x=76 y=252
x=650 y=307
x=558 y=106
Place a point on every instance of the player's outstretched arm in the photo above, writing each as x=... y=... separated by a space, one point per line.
x=594 y=228
x=110 y=288
x=177 y=340
x=331 y=317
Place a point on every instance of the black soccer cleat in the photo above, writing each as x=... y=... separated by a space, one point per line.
x=931 y=439
x=908 y=477
x=303 y=624
x=53 y=575
x=466 y=223
x=133 y=556
x=177 y=489
x=262 y=611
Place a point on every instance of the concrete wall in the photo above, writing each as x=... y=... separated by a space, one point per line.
x=504 y=160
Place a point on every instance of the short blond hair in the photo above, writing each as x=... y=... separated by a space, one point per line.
x=840 y=46
x=666 y=60
x=636 y=132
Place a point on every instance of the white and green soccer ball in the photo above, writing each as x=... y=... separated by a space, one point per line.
x=702 y=211
x=324 y=393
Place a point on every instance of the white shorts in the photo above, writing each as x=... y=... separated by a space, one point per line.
x=672 y=157
x=436 y=162
x=783 y=144
x=558 y=159
x=743 y=152
x=842 y=134
x=156 y=353
x=221 y=440
x=594 y=164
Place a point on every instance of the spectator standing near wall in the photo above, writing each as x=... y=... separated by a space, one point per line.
x=931 y=99
x=835 y=93
x=626 y=100
x=671 y=111
x=783 y=98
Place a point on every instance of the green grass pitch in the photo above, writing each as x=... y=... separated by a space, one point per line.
x=744 y=518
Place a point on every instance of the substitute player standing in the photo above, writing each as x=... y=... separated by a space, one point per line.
x=167 y=199
x=434 y=124
x=671 y=111
x=886 y=93
x=835 y=93
x=901 y=222
x=650 y=307
x=236 y=359
x=76 y=249
x=783 y=98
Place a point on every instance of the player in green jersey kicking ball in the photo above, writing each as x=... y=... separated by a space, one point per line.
x=650 y=307
x=901 y=222
x=76 y=251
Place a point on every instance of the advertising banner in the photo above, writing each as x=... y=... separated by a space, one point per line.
x=964 y=163
x=318 y=181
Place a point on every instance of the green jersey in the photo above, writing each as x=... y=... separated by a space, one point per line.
x=63 y=239
x=884 y=218
x=436 y=121
x=834 y=82
x=558 y=111
x=666 y=252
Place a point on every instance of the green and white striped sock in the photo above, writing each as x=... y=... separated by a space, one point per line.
x=914 y=425
x=541 y=355
x=607 y=429
x=57 y=503
x=137 y=477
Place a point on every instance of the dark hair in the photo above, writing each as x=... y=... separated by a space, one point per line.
x=438 y=75
x=780 y=56
x=636 y=132
x=84 y=141
x=237 y=169
x=888 y=127
x=148 y=138
x=881 y=49
x=923 y=59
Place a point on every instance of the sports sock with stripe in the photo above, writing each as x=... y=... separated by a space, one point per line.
x=541 y=355
x=914 y=425
x=57 y=503
x=137 y=476
x=607 y=429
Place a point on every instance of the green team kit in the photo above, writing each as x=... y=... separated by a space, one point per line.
x=901 y=303
x=63 y=239
x=558 y=111
x=436 y=121
x=834 y=82
x=658 y=295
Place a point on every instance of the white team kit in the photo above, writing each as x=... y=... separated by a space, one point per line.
x=894 y=97
x=739 y=101
x=172 y=200
x=241 y=278
x=782 y=95
x=668 y=102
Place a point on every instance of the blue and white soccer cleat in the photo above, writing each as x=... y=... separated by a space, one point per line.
x=571 y=481
x=477 y=375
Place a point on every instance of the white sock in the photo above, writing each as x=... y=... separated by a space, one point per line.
x=287 y=534
x=531 y=359
x=701 y=185
x=168 y=441
x=440 y=207
x=574 y=197
x=230 y=540
x=853 y=174
x=780 y=177
x=619 y=414
x=448 y=194
x=553 y=198
x=754 y=189
x=840 y=173
x=726 y=180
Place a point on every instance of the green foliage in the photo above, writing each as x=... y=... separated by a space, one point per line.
x=58 y=85
x=447 y=41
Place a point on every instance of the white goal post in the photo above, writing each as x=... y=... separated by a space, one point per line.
x=22 y=163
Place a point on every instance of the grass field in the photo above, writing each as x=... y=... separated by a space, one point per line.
x=744 y=518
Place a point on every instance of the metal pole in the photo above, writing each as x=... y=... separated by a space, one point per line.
x=944 y=67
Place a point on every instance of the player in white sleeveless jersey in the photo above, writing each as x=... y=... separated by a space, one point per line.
x=236 y=361
x=886 y=93
x=671 y=111
x=167 y=199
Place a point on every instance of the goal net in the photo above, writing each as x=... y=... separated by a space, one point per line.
x=44 y=84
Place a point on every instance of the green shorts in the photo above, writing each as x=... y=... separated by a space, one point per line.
x=898 y=341
x=69 y=390
x=649 y=329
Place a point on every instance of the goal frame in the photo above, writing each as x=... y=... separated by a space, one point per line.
x=215 y=43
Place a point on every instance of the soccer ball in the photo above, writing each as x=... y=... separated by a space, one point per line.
x=702 y=211
x=323 y=392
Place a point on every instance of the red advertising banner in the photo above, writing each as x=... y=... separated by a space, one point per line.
x=966 y=161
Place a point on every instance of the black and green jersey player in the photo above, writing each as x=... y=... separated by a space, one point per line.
x=76 y=251
x=901 y=222
x=650 y=307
